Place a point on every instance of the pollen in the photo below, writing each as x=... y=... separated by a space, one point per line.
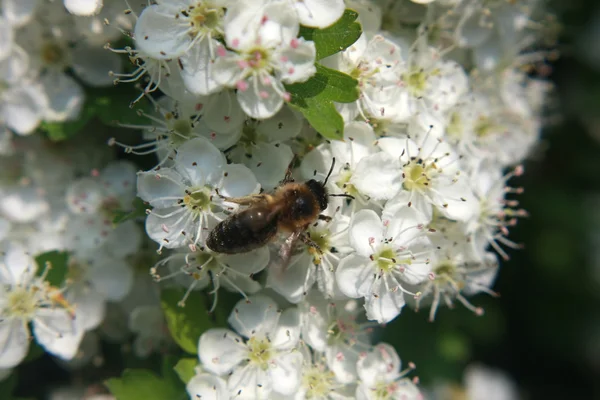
x=260 y=352
x=319 y=383
x=205 y=18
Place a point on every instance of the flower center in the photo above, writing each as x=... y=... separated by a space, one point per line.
x=204 y=18
x=455 y=127
x=319 y=383
x=54 y=55
x=343 y=182
x=416 y=175
x=22 y=303
x=384 y=390
x=385 y=259
x=260 y=352
x=321 y=239
x=198 y=199
x=258 y=59
x=485 y=127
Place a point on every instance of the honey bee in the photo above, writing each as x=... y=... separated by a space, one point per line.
x=290 y=209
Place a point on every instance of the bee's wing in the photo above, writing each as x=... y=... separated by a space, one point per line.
x=282 y=259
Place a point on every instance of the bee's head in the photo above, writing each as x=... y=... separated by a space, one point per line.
x=320 y=191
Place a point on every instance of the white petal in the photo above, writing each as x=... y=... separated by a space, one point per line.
x=112 y=278
x=237 y=181
x=381 y=364
x=197 y=158
x=223 y=114
x=354 y=276
x=22 y=110
x=365 y=232
x=92 y=65
x=378 y=176
x=125 y=240
x=386 y=305
x=250 y=383
x=259 y=316
x=260 y=100
x=319 y=13
x=220 y=350
x=161 y=188
x=18 y=12
x=118 y=177
x=341 y=359
x=65 y=346
x=287 y=334
x=83 y=7
x=23 y=204
x=285 y=372
x=14 y=342
x=64 y=95
x=85 y=196
x=455 y=200
x=158 y=33
x=269 y=163
x=19 y=267
x=90 y=307
x=166 y=231
x=298 y=62
x=207 y=387
x=295 y=281
x=284 y=125
x=250 y=262
x=197 y=68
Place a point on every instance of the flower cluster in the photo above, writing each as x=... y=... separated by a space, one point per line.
x=445 y=106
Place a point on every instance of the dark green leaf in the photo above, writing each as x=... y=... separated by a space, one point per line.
x=314 y=99
x=187 y=323
x=185 y=368
x=335 y=38
x=115 y=106
x=139 y=384
x=7 y=386
x=35 y=352
x=57 y=264
x=138 y=210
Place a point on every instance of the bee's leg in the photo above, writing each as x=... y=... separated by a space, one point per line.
x=244 y=200
x=309 y=242
x=325 y=218
x=288 y=173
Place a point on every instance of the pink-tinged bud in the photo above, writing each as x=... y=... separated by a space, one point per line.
x=242 y=86
x=294 y=43
x=221 y=52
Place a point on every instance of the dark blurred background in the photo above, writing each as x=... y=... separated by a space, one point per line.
x=544 y=330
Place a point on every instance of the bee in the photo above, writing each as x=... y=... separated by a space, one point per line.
x=290 y=209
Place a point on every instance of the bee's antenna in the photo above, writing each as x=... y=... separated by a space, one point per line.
x=329 y=173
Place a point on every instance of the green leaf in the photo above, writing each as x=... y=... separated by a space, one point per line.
x=7 y=386
x=335 y=38
x=314 y=99
x=35 y=352
x=58 y=131
x=57 y=264
x=185 y=368
x=140 y=384
x=115 y=106
x=138 y=209
x=187 y=323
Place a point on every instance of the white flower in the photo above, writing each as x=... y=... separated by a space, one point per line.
x=318 y=382
x=83 y=7
x=312 y=265
x=25 y=298
x=266 y=360
x=431 y=177
x=484 y=383
x=381 y=378
x=339 y=330
x=184 y=198
x=266 y=54
x=260 y=146
x=358 y=144
x=149 y=325
x=187 y=30
x=388 y=254
x=207 y=386
x=201 y=267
